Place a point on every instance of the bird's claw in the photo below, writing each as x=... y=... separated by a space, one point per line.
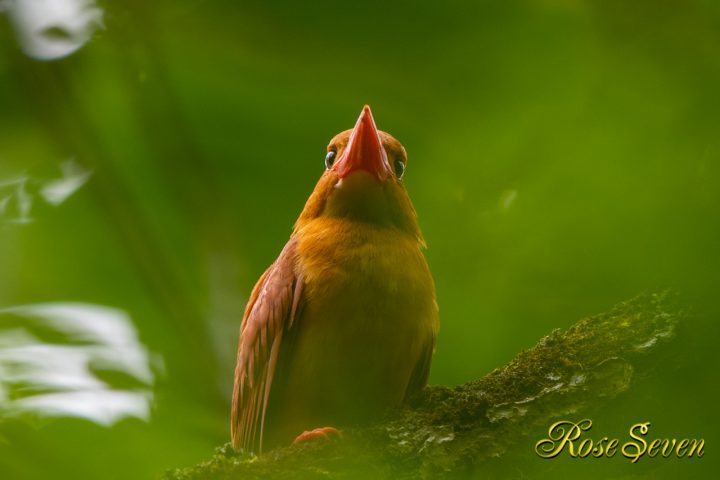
x=322 y=433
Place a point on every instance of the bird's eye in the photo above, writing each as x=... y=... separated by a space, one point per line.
x=330 y=159
x=399 y=168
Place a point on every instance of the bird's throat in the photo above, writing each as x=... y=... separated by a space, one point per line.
x=359 y=196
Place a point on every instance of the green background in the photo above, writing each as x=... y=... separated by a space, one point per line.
x=563 y=156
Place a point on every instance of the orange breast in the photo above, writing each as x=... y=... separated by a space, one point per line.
x=368 y=315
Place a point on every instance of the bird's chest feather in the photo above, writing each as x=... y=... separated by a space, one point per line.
x=367 y=313
x=360 y=277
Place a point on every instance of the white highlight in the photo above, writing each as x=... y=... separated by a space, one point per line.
x=56 y=379
x=52 y=29
x=73 y=177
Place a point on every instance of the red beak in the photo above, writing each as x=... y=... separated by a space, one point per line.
x=364 y=150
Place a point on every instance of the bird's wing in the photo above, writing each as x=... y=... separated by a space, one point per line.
x=269 y=313
x=421 y=372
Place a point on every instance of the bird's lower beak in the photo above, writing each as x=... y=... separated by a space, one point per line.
x=364 y=150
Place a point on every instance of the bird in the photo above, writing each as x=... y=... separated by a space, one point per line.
x=343 y=324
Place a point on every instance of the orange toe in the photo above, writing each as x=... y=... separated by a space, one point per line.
x=317 y=433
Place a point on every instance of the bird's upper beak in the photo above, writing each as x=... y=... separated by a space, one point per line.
x=364 y=150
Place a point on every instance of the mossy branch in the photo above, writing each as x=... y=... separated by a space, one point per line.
x=451 y=431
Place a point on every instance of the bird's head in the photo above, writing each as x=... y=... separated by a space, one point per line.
x=363 y=180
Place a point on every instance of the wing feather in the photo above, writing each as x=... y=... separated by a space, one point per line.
x=270 y=311
x=421 y=372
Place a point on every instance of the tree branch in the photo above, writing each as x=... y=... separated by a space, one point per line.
x=448 y=431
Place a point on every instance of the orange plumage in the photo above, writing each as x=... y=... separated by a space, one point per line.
x=343 y=324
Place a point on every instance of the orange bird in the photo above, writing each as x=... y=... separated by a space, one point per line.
x=343 y=324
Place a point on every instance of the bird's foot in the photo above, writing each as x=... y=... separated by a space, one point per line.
x=322 y=433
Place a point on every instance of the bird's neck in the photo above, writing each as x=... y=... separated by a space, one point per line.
x=374 y=255
x=359 y=200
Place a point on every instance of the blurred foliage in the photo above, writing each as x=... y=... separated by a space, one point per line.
x=564 y=155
